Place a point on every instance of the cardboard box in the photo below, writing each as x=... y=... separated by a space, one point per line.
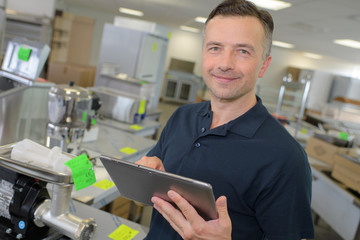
x=295 y=72
x=121 y=207
x=81 y=36
x=72 y=39
x=322 y=150
x=62 y=73
x=347 y=172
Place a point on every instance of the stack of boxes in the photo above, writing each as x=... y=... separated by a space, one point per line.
x=71 y=50
x=342 y=162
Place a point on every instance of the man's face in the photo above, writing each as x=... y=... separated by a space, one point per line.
x=232 y=56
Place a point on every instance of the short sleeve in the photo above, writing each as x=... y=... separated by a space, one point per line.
x=283 y=208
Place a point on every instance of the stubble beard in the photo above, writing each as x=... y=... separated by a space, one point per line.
x=228 y=92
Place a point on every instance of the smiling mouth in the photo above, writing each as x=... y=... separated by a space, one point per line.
x=224 y=79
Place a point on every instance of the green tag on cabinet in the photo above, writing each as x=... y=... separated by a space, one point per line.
x=24 y=54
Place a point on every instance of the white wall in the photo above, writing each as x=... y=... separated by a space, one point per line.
x=282 y=58
x=185 y=46
x=33 y=7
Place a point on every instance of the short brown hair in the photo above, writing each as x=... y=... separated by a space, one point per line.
x=246 y=8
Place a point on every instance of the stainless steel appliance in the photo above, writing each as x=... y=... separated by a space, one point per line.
x=69 y=109
x=121 y=106
x=28 y=211
x=23 y=100
x=139 y=53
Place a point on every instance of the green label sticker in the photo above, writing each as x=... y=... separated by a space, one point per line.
x=82 y=171
x=104 y=184
x=169 y=35
x=344 y=136
x=24 y=54
x=128 y=150
x=136 y=127
x=142 y=82
x=154 y=46
x=123 y=232
x=84 y=117
x=142 y=107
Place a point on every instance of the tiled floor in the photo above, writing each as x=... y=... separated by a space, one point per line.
x=322 y=231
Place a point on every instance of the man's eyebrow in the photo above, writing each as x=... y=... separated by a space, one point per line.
x=214 y=43
x=238 y=45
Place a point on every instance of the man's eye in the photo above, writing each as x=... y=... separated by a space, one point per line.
x=214 y=49
x=243 y=51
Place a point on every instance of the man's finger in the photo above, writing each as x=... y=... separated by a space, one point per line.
x=157 y=206
x=185 y=207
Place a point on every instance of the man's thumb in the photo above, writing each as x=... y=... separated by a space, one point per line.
x=221 y=206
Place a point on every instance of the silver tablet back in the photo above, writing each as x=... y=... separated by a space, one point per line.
x=140 y=183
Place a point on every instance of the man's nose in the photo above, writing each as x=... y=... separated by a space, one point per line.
x=227 y=61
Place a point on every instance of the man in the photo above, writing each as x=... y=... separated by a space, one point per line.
x=259 y=173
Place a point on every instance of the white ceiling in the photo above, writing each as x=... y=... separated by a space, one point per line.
x=311 y=25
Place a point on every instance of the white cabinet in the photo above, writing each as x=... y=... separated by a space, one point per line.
x=136 y=53
x=335 y=205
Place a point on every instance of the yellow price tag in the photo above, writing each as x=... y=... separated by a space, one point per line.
x=142 y=107
x=123 y=232
x=104 y=184
x=128 y=150
x=136 y=127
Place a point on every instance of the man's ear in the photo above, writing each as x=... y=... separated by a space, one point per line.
x=264 y=66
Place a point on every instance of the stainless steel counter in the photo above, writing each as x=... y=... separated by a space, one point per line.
x=107 y=223
x=146 y=128
x=120 y=144
x=117 y=143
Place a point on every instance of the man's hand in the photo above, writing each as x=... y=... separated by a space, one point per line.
x=189 y=224
x=151 y=162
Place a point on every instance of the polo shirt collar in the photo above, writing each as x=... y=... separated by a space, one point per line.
x=245 y=125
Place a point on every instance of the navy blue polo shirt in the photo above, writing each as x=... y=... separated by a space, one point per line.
x=252 y=160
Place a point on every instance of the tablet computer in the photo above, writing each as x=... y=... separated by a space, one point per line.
x=141 y=183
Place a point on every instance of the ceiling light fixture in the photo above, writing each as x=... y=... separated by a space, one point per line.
x=9 y=11
x=131 y=12
x=200 y=19
x=313 y=56
x=348 y=43
x=271 y=4
x=190 y=29
x=282 y=44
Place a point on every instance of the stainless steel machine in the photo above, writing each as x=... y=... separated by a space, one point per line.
x=28 y=211
x=23 y=100
x=69 y=109
x=121 y=106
